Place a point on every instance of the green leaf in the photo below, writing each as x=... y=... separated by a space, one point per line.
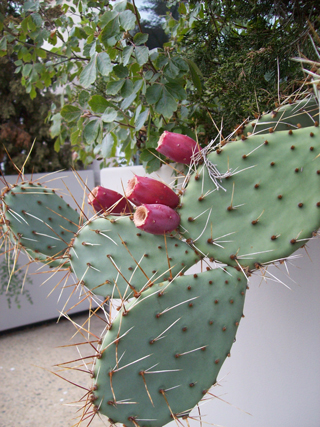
x=107 y=146
x=182 y=8
x=195 y=75
x=166 y=105
x=152 y=140
x=56 y=125
x=70 y=113
x=120 y=6
x=26 y=57
x=147 y=155
x=87 y=48
x=114 y=87
x=128 y=101
x=176 y=90
x=88 y=30
x=121 y=71
x=33 y=76
x=127 y=20
x=104 y=64
x=57 y=144
x=3 y=44
x=89 y=73
x=107 y=17
x=140 y=38
x=109 y=115
x=41 y=53
x=141 y=119
x=126 y=54
x=110 y=30
x=83 y=98
x=33 y=92
x=142 y=54
x=93 y=48
x=91 y=131
x=150 y=161
x=171 y=70
x=36 y=18
x=98 y=104
x=153 y=93
x=30 y=6
x=137 y=85
x=161 y=61
x=127 y=89
x=148 y=75
x=75 y=136
x=26 y=70
x=180 y=63
x=153 y=54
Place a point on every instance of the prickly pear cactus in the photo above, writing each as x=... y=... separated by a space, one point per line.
x=245 y=204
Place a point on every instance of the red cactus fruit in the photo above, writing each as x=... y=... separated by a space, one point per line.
x=156 y=219
x=177 y=147
x=144 y=190
x=108 y=200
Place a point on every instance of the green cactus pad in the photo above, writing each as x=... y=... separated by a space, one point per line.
x=191 y=326
x=291 y=116
x=108 y=254
x=271 y=205
x=38 y=219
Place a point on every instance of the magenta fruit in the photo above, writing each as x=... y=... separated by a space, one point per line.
x=108 y=201
x=177 y=147
x=156 y=219
x=144 y=190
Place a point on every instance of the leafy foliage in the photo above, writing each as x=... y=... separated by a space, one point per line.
x=224 y=59
x=114 y=87
x=244 y=51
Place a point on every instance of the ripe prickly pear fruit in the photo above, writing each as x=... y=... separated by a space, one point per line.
x=177 y=147
x=143 y=190
x=108 y=200
x=156 y=219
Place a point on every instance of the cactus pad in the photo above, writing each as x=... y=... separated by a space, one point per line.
x=144 y=375
x=114 y=258
x=38 y=219
x=292 y=116
x=271 y=205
